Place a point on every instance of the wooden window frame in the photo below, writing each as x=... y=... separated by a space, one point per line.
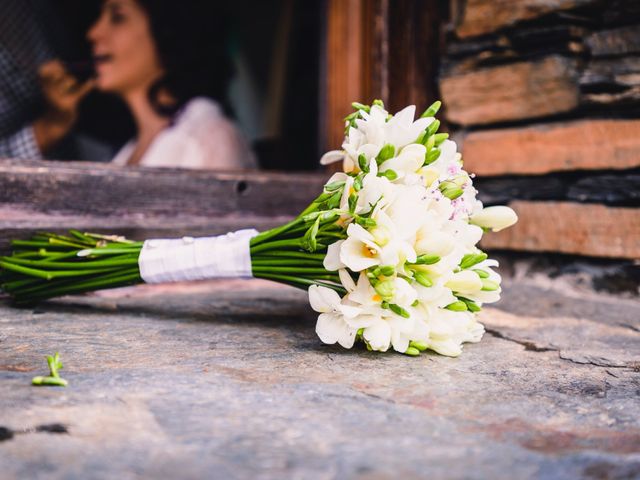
x=377 y=49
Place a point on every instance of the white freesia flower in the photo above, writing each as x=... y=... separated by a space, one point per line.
x=410 y=203
x=378 y=335
x=359 y=251
x=402 y=130
x=491 y=289
x=332 y=326
x=448 y=164
x=434 y=297
x=338 y=321
x=369 y=129
x=449 y=330
x=382 y=246
x=495 y=218
x=465 y=282
x=388 y=329
x=375 y=191
x=404 y=294
x=408 y=161
x=369 y=150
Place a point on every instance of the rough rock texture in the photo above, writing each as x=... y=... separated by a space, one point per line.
x=228 y=380
x=567 y=227
x=511 y=92
x=579 y=145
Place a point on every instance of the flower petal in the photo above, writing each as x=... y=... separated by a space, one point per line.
x=323 y=299
x=378 y=335
x=332 y=157
x=329 y=328
x=332 y=259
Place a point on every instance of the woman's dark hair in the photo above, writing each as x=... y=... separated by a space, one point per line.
x=192 y=42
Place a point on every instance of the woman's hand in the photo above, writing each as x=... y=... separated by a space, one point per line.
x=62 y=93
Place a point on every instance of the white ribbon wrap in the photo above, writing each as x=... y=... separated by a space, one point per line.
x=188 y=258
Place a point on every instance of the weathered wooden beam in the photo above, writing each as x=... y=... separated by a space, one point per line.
x=143 y=202
x=618 y=41
x=579 y=145
x=615 y=190
x=479 y=17
x=511 y=92
x=607 y=189
x=534 y=40
x=592 y=230
x=611 y=81
x=624 y=71
x=79 y=187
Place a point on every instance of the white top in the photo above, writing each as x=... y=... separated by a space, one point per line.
x=200 y=137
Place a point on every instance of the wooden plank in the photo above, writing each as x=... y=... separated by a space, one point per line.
x=611 y=81
x=579 y=145
x=618 y=41
x=608 y=189
x=485 y=16
x=533 y=40
x=511 y=92
x=615 y=190
x=623 y=71
x=143 y=202
x=78 y=187
x=565 y=227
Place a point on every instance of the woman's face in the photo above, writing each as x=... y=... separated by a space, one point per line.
x=124 y=52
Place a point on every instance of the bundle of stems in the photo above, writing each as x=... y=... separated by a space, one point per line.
x=51 y=265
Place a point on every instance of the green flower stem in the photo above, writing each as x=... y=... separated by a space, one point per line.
x=302 y=270
x=288 y=254
x=276 y=244
x=34 y=243
x=15 y=284
x=294 y=262
x=274 y=232
x=301 y=282
x=100 y=283
x=50 y=275
x=128 y=245
x=44 y=264
x=47 y=236
x=84 y=238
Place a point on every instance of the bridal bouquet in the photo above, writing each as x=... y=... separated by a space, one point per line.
x=387 y=251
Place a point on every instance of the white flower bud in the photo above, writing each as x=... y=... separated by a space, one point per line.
x=495 y=218
x=465 y=282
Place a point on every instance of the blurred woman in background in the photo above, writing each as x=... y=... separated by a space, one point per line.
x=167 y=60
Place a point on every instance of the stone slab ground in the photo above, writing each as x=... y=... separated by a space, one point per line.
x=228 y=380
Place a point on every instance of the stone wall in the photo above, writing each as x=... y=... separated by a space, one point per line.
x=543 y=97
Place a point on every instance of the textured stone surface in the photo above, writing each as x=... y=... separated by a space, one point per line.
x=228 y=380
x=511 y=92
x=579 y=145
x=567 y=227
